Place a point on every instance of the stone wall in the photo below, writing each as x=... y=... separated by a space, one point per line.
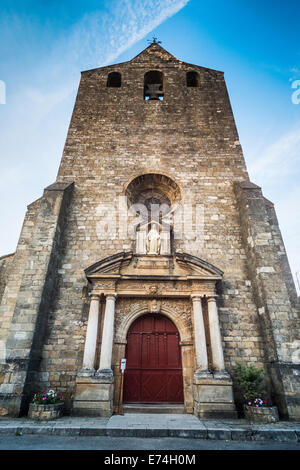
x=29 y=320
x=5 y=264
x=16 y=270
x=272 y=289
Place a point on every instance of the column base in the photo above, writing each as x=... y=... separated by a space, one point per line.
x=93 y=396
x=222 y=375
x=203 y=374
x=85 y=372
x=105 y=375
x=213 y=396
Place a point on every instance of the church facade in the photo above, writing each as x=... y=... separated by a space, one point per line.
x=154 y=246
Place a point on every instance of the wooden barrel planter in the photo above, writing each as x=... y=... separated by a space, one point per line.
x=45 y=412
x=261 y=414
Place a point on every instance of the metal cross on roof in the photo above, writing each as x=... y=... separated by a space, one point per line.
x=154 y=41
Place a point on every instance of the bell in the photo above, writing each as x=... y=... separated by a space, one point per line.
x=154 y=91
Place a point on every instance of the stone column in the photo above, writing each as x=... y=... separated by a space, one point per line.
x=91 y=337
x=94 y=394
x=213 y=395
x=105 y=369
x=215 y=338
x=199 y=338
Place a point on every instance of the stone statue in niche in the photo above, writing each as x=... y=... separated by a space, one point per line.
x=153 y=241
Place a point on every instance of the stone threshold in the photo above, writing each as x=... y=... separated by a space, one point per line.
x=158 y=408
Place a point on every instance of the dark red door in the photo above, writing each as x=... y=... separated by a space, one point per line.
x=153 y=371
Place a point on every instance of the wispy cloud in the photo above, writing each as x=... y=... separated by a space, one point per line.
x=34 y=122
x=280 y=159
x=276 y=170
x=126 y=23
x=288 y=212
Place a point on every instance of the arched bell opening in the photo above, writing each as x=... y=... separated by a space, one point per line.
x=153 y=85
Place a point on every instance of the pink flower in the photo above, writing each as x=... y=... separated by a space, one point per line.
x=249 y=402
x=256 y=406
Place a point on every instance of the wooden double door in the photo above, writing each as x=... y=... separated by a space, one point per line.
x=153 y=371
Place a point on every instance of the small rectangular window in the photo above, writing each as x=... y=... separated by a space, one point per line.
x=192 y=79
x=114 y=80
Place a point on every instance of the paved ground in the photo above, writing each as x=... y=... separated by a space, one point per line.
x=154 y=426
x=34 y=442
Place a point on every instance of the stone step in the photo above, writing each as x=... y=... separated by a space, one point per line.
x=153 y=408
x=151 y=425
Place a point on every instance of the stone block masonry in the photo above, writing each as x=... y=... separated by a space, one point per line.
x=5 y=263
x=35 y=298
x=273 y=294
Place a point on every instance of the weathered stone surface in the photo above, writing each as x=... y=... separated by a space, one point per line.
x=274 y=295
x=3 y=411
x=261 y=414
x=93 y=392
x=5 y=263
x=45 y=412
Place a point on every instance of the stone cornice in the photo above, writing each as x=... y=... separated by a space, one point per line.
x=129 y=275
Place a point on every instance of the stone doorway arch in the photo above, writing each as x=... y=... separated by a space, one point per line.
x=154 y=366
x=171 y=285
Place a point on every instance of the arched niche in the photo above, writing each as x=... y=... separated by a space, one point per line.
x=153 y=185
x=153 y=198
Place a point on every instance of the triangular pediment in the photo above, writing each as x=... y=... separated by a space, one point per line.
x=197 y=265
x=156 y=55
x=110 y=265
x=154 y=51
x=129 y=265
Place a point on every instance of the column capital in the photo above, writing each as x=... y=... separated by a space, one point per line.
x=197 y=296
x=94 y=296
x=111 y=296
x=211 y=298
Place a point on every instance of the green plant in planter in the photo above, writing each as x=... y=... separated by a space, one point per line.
x=249 y=382
x=50 y=398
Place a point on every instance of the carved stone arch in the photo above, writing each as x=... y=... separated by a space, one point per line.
x=161 y=182
x=181 y=324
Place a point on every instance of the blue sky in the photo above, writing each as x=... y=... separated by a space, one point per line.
x=46 y=43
